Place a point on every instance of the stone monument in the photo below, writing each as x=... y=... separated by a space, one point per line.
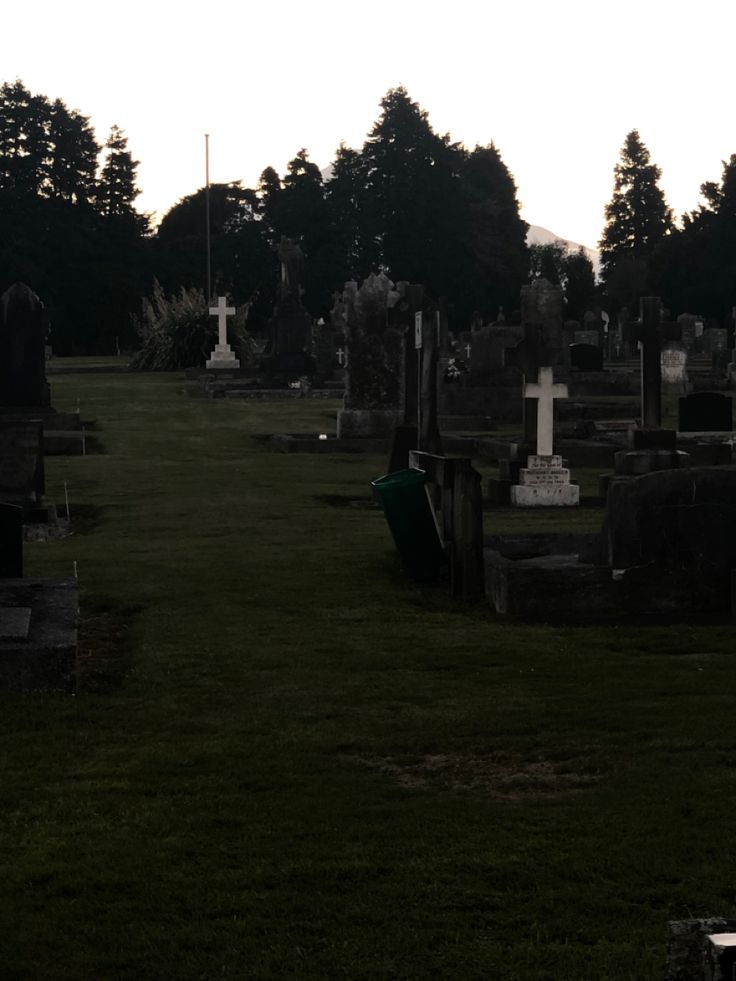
x=544 y=482
x=222 y=356
x=24 y=326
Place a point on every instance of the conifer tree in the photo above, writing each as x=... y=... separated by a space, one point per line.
x=116 y=188
x=637 y=220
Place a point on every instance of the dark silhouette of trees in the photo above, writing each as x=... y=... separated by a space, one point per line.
x=637 y=221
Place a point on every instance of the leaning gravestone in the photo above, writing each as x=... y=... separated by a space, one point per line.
x=24 y=324
x=706 y=412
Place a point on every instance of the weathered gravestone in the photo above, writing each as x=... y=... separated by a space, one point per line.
x=24 y=324
x=715 y=340
x=291 y=325
x=373 y=400
x=673 y=363
x=704 y=412
x=586 y=357
x=541 y=304
x=21 y=461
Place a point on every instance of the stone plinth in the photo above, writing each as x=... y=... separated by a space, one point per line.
x=223 y=357
x=544 y=482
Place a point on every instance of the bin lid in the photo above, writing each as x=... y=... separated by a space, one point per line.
x=401 y=478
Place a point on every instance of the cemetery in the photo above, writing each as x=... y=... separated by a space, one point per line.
x=369 y=613
x=557 y=660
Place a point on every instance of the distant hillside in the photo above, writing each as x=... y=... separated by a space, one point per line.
x=543 y=236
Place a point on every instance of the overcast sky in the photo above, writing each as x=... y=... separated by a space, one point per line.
x=556 y=85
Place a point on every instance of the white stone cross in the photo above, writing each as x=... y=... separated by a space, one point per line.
x=222 y=311
x=467 y=350
x=340 y=356
x=545 y=391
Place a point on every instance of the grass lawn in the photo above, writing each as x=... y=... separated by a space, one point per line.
x=286 y=761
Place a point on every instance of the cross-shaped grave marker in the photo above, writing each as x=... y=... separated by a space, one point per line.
x=545 y=391
x=340 y=356
x=222 y=311
x=222 y=356
x=467 y=351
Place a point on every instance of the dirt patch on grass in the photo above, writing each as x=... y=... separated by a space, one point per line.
x=501 y=777
x=103 y=651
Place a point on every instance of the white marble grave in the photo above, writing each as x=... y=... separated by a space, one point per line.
x=222 y=356
x=544 y=482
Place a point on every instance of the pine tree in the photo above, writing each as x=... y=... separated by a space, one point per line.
x=494 y=236
x=411 y=196
x=116 y=188
x=24 y=148
x=72 y=165
x=637 y=220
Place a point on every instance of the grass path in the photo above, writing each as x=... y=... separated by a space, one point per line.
x=309 y=768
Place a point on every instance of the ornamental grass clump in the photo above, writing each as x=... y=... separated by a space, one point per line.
x=179 y=332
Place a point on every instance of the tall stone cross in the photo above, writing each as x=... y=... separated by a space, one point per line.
x=545 y=392
x=340 y=356
x=651 y=332
x=222 y=311
x=467 y=351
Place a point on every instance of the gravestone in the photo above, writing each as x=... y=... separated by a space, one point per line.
x=678 y=519
x=222 y=357
x=687 y=324
x=21 y=461
x=24 y=324
x=704 y=412
x=542 y=304
x=291 y=325
x=544 y=482
x=591 y=337
x=11 y=541
x=715 y=340
x=673 y=361
x=374 y=383
x=586 y=357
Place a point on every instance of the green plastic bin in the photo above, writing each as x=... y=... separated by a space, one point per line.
x=412 y=523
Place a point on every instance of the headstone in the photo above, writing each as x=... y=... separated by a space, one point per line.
x=375 y=376
x=587 y=337
x=544 y=482
x=687 y=330
x=586 y=357
x=673 y=361
x=222 y=356
x=11 y=541
x=676 y=519
x=704 y=412
x=542 y=304
x=715 y=340
x=21 y=461
x=24 y=325
x=291 y=325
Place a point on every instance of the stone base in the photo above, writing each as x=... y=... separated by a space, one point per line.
x=544 y=482
x=38 y=634
x=223 y=357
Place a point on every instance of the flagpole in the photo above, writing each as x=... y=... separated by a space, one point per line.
x=207 y=211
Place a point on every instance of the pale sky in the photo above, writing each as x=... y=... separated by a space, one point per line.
x=556 y=85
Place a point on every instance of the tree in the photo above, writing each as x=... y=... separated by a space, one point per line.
x=578 y=278
x=411 y=196
x=637 y=220
x=344 y=195
x=493 y=236
x=72 y=156
x=695 y=267
x=546 y=261
x=116 y=188
x=23 y=140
